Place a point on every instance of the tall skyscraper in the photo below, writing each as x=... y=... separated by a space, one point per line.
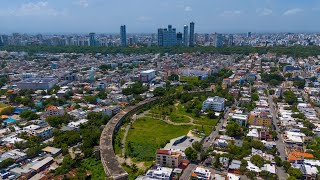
x=206 y=38
x=185 y=35
x=217 y=40
x=1 y=41
x=230 y=42
x=191 y=39
x=179 y=38
x=167 y=36
x=123 y=35
x=249 y=34
x=92 y=39
x=160 y=36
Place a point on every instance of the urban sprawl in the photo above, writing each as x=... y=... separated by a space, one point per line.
x=150 y=116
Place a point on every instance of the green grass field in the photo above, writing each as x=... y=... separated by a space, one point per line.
x=95 y=167
x=177 y=118
x=147 y=135
x=189 y=79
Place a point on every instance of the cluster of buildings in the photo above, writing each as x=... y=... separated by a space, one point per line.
x=170 y=37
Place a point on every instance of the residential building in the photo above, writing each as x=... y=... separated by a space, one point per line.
x=111 y=110
x=201 y=173
x=45 y=133
x=168 y=158
x=179 y=39
x=241 y=119
x=42 y=165
x=214 y=103
x=37 y=83
x=192 y=36
x=167 y=36
x=123 y=36
x=148 y=75
x=54 y=111
x=260 y=119
x=185 y=35
x=162 y=173
x=217 y=40
x=92 y=39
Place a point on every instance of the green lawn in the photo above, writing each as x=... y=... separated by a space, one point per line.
x=147 y=135
x=179 y=118
x=95 y=167
x=190 y=79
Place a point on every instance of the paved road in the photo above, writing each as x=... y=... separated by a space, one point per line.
x=215 y=133
x=280 y=145
x=187 y=172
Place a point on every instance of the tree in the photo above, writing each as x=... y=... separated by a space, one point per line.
x=278 y=161
x=290 y=97
x=191 y=154
x=295 y=172
x=254 y=97
x=57 y=121
x=257 y=160
x=211 y=115
x=197 y=146
x=286 y=165
x=233 y=129
x=7 y=111
x=29 y=115
x=217 y=163
x=251 y=174
x=173 y=77
x=7 y=162
x=271 y=92
x=159 y=91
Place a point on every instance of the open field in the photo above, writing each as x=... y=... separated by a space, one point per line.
x=147 y=135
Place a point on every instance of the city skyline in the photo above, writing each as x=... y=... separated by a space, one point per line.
x=231 y=16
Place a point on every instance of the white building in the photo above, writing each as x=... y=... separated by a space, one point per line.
x=54 y=111
x=111 y=111
x=148 y=75
x=201 y=173
x=214 y=103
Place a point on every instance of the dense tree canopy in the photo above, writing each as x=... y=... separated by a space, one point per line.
x=297 y=51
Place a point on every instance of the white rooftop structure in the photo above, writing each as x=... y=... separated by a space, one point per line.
x=163 y=173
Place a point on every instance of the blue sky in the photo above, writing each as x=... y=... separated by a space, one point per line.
x=106 y=16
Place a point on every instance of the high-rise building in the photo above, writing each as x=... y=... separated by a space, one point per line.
x=160 y=36
x=191 y=39
x=123 y=35
x=92 y=39
x=217 y=40
x=167 y=36
x=1 y=41
x=249 y=34
x=230 y=41
x=179 y=38
x=206 y=38
x=185 y=35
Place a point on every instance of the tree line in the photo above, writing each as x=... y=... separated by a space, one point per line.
x=296 y=51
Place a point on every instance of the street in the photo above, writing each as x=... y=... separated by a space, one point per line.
x=279 y=142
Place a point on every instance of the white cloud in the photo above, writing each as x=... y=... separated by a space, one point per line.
x=84 y=3
x=292 y=11
x=264 y=12
x=231 y=13
x=143 y=19
x=32 y=8
x=187 y=8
